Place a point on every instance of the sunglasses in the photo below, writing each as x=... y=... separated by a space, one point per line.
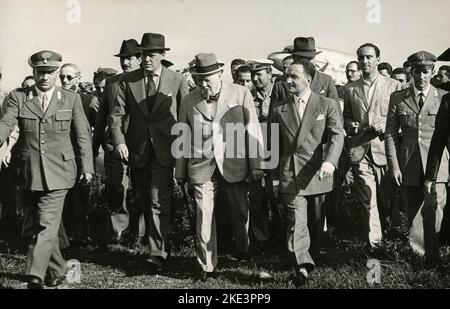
x=69 y=78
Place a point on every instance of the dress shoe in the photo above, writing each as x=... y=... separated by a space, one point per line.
x=301 y=277
x=35 y=283
x=55 y=281
x=203 y=276
x=243 y=257
x=156 y=263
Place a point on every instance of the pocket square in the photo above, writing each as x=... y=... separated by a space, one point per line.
x=322 y=91
x=169 y=94
x=320 y=117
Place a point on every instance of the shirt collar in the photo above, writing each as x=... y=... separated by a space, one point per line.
x=367 y=83
x=305 y=96
x=264 y=94
x=425 y=92
x=49 y=93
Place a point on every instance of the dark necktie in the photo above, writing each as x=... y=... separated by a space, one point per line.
x=421 y=102
x=151 y=91
x=151 y=86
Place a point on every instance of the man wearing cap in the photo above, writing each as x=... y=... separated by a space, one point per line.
x=212 y=108
x=150 y=98
x=44 y=160
x=261 y=192
x=117 y=180
x=366 y=103
x=310 y=138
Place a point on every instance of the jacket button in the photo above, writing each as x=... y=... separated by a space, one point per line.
x=42 y=142
x=42 y=132
x=44 y=121
x=43 y=151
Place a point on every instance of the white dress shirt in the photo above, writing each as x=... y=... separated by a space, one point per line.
x=417 y=93
x=302 y=101
x=49 y=94
x=156 y=76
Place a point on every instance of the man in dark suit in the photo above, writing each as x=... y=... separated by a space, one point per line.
x=321 y=83
x=311 y=140
x=215 y=160
x=117 y=180
x=53 y=132
x=150 y=98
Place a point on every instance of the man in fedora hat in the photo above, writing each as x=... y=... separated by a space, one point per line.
x=322 y=84
x=413 y=111
x=116 y=171
x=211 y=108
x=366 y=104
x=150 y=98
x=53 y=133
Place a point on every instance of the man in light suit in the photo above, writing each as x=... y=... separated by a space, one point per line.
x=414 y=110
x=213 y=159
x=366 y=104
x=53 y=132
x=311 y=140
x=150 y=98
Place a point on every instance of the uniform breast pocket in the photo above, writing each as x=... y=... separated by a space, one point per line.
x=407 y=118
x=27 y=122
x=63 y=120
x=432 y=117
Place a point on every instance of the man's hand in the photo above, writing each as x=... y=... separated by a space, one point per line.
x=326 y=170
x=397 y=175
x=95 y=104
x=354 y=128
x=257 y=175
x=3 y=152
x=379 y=127
x=85 y=178
x=122 y=151
x=7 y=159
x=430 y=187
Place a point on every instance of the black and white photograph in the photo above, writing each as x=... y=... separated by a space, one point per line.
x=224 y=151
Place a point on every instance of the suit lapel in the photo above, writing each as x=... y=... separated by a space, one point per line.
x=55 y=103
x=165 y=81
x=309 y=118
x=431 y=101
x=291 y=117
x=137 y=87
x=410 y=101
x=33 y=104
x=359 y=89
x=202 y=105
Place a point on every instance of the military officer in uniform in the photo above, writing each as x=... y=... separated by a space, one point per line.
x=44 y=160
x=414 y=110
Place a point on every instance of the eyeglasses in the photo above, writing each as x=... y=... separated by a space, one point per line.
x=69 y=78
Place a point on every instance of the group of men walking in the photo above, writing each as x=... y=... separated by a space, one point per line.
x=152 y=128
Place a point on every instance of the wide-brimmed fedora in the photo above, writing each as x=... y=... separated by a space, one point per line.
x=153 y=41
x=305 y=47
x=206 y=64
x=128 y=48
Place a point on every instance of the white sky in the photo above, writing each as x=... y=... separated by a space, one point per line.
x=230 y=28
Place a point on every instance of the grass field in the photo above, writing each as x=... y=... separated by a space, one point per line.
x=342 y=264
